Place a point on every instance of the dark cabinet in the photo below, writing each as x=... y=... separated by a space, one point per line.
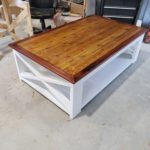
x=123 y=10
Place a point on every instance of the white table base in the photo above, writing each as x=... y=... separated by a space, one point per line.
x=73 y=97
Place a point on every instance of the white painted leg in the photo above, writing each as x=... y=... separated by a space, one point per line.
x=17 y=65
x=137 y=50
x=76 y=99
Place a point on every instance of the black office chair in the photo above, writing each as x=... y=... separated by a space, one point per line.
x=43 y=9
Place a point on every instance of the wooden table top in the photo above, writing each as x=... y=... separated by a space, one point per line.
x=75 y=49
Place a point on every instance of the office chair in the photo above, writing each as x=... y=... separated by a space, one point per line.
x=43 y=9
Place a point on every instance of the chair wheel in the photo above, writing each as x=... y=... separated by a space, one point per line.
x=36 y=30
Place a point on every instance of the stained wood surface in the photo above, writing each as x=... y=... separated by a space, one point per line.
x=75 y=49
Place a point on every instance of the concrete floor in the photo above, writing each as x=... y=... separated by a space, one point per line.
x=117 y=119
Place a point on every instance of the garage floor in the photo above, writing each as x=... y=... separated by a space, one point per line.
x=117 y=119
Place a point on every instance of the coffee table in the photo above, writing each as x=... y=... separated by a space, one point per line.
x=71 y=64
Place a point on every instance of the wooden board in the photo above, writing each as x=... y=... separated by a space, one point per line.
x=77 y=8
x=75 y=49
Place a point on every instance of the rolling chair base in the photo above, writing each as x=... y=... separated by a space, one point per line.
x=37 y=30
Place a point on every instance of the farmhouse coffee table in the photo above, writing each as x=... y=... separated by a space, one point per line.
x=71 y=64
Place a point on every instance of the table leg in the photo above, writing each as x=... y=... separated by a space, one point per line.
x=137 y=50
x=17 y=65
x=76 y=93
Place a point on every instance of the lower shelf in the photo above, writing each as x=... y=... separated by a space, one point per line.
x=105 y=76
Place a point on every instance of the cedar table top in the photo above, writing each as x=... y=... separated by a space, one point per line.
x=75 y=49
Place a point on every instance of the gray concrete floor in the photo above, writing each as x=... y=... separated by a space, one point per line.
x=117 y=119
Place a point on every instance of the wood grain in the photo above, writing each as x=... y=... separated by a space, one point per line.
x=74 y=50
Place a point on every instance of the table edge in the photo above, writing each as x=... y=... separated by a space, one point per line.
x=98 y=62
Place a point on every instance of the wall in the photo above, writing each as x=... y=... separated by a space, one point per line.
x=144 y=13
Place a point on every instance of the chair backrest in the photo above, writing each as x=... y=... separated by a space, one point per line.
x=43 y=3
